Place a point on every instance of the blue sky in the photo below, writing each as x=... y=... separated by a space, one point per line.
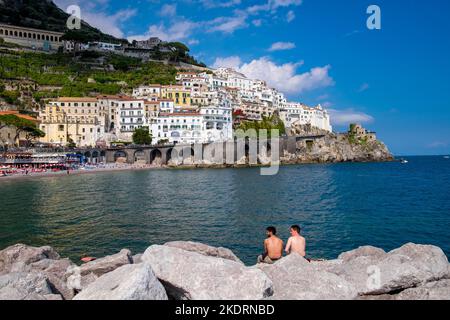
x=395 y=80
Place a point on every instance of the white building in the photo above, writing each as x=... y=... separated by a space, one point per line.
x=297 y=113
x=177 y=127
x=218 y=123
x=132 y=116
x=104 y=46
x=211 y=124
x=147 y=92
x=166 y=105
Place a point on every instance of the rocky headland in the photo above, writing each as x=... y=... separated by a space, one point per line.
x=352 y=146
x=195 y=271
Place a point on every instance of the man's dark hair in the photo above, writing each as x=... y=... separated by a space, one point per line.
x=273 y=230
x=296 y=228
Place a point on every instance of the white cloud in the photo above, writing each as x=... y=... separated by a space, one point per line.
x=193 y=42
x=284 y=3
x=278 y=46
x=180 y=28
x=282 y=77
x=168 y=10
x=272 y=5
x=110 y=24
x=345 y=117
x=94 y=12
x=178 y=31
x=227 y=24
x=257 y=22
x=219 y=4
x=290 y=16
x=228 y=62
x=363 y=87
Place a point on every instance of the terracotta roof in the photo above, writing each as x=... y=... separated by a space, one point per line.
x=125 y=98
x=151 y=102
x=108 y=97
x=16 y=113
x=178 y=114
x=76 y=99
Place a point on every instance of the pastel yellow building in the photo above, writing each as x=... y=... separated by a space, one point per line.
x=77 y=120
x=180 y=96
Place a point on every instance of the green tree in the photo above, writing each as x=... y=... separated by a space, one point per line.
x=32 y=133
x=20 y=125
x=7 y=120
x=267 y=123
x=142 y=136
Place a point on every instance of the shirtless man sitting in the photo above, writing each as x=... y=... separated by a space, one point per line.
x=296 y=242
x=273 y=247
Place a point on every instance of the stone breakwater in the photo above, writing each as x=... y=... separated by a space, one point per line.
x=195 y=271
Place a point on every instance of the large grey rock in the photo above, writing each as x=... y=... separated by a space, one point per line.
x=137 y=258
x=189 y=275
x=295 y=279
x=56 y=272
x=129 y=282
x=76 y=282
x=437 y=290
x=406 y=267
x=25 y=286
x=107 y=264
x=17 y=257
x=205 y=250
x=366 y=251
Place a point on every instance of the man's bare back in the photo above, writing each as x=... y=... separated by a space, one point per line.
x=296 y=244
x=274 y=247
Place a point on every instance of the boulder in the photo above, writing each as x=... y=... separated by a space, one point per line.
x=436 y=290
x=205 y=250
x=129 y=282
x=15 y=258
x=25 y=286
x=56 y=273
x=77 y=282
x=137 y=258
x=107 y=264
x=295 y=279
x=403 y=268
x=188 y=275
x=366 y=251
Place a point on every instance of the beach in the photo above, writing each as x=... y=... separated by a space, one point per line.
x=81 y=171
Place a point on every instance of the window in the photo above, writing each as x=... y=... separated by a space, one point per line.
x=61 y=127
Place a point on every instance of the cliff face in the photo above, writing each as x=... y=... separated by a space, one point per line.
x=333 y=147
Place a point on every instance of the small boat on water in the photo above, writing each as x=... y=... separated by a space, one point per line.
x=446 y=157
x=404 y=161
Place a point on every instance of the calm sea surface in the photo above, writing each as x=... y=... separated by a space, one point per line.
x=339 y=207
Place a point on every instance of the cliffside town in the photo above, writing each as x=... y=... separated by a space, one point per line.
x=202 y=107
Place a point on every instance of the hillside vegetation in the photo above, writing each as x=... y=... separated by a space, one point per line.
x=88 y=73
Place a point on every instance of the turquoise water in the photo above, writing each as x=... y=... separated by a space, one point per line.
x=339 y=207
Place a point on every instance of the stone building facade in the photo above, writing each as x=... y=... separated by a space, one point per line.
x=32 y=38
